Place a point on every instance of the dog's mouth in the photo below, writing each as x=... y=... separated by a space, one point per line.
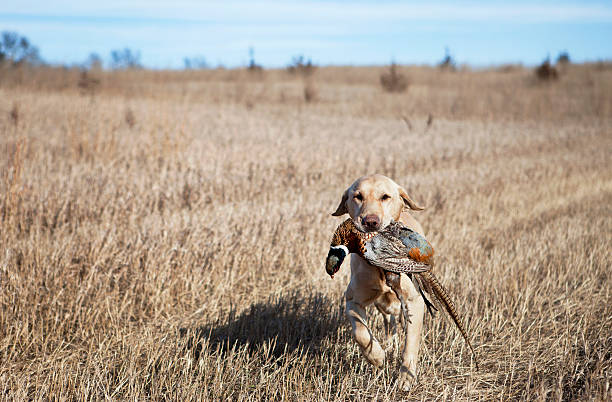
x=361 y=228
x=365 y=236
x=371 y=222
x=365 y=229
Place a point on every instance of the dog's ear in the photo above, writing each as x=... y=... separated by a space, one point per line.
x=408 y=202
x=341 y=210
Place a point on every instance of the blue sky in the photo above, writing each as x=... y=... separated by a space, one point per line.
x=479 y=33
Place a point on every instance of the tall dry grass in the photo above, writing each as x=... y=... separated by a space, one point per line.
x=163 y=236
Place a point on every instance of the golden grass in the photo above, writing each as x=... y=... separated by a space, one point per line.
x=163 y=235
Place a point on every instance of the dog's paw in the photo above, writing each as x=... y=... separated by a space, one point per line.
x=376 y=359
x=406 y=379
x=391 y=342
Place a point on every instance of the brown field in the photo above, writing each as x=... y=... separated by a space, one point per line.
x=162 y=234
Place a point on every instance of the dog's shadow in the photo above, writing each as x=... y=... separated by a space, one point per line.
x=282 y=324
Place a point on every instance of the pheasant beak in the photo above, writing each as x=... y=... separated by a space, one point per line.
x=334 y=259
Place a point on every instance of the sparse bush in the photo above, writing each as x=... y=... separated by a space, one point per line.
x=509 y=68
x=299 y=65
x=93 y=62
x=448 y=62
x=87 y=84
x=17 y=50
x=603 y=65
x=310 y=92
x=125 y=59
x=430 y=120
x=129 y=117
x=253 y=66
x=14 y=114
x=546 y=72
x=195 y=63
x=393 y=81
x=563 y=58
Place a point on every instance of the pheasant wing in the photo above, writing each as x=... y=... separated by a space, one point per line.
x=404 y=265
x=388 y=252
x=415 y=245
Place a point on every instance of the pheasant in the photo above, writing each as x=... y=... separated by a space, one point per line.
x=395 y=250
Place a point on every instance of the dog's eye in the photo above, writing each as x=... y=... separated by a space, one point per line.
x=358 y=197
x=385 y=197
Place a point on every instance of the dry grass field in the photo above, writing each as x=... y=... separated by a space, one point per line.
x=163 y=234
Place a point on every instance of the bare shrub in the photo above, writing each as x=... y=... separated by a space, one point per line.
x=125 y=59
x=407 y=121
x=603 y=65
x=195 y=63
x=87 y=84
x=253 y=67
x=563 y=58
x=129 y=118
x=546 y=72
x=13 y=175
x=448 y=62
x=509 y=68
x=17 y=50
x=14 y=114
x=310 y=92
x=299 y=65
x=430 y=120
x=393 y=81
x=93 y=62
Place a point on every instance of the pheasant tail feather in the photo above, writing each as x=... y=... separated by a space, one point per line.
x=432 y=286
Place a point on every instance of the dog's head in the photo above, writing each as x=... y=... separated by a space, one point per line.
x=374 y=201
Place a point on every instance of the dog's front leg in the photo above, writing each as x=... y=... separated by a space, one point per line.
x=370 y=347
x=410 y=353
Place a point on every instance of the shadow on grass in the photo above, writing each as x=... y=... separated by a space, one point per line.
x=285 y=323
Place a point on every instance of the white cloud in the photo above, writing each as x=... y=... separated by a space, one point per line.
x=317 y=11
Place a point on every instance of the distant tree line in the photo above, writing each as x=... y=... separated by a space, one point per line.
x=16 y=50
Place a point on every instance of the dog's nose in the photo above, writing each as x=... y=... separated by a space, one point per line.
x=371 y=222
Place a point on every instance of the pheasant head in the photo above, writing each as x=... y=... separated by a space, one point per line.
x=346 y=239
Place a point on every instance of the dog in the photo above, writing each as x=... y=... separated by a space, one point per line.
x=373 y=202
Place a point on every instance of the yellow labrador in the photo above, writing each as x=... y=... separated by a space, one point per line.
x=372 y=203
